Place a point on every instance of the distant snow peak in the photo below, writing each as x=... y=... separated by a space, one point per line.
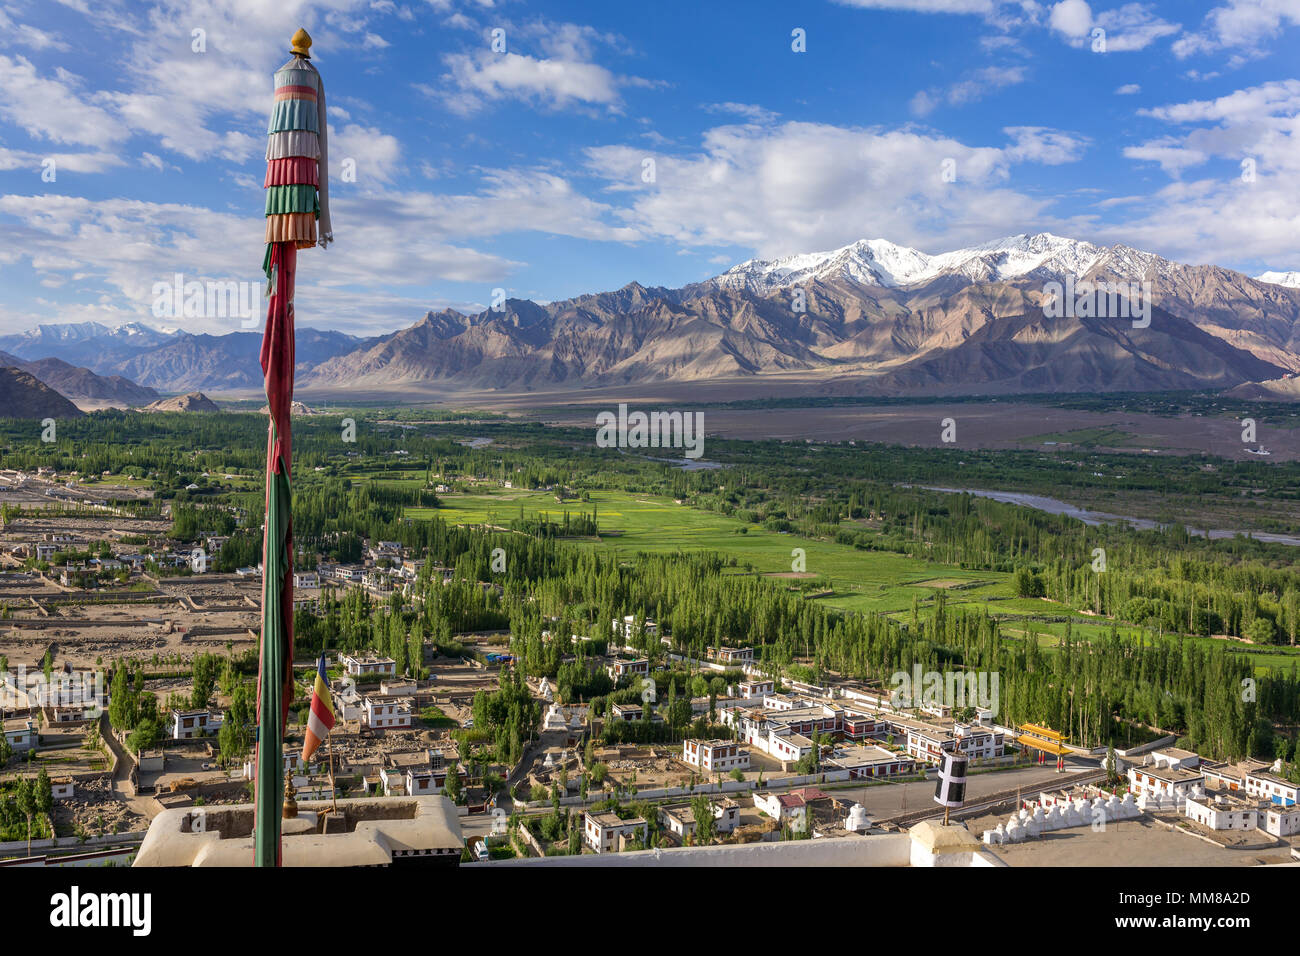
x=884 y=263
x=1289 y=279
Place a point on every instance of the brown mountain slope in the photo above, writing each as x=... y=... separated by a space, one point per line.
x=23 y=395
x=193 y=402
x=73 y=382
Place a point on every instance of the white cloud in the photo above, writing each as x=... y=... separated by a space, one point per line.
x=488 y=76
x=1240 y=24
x=969 y=89
x=97 y=162
x=1276 y=100
x=1172 y=156
x=1128 y=89
x=53 y=109
x=801 y=186
x=376 y=154
x=1227 y=215
x=1073 y=18
x=1126 y=29
x=1038 y=144
x=22 y=34
x=748 y=111
x=385 y=240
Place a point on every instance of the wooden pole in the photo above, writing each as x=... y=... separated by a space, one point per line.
x=334 y=798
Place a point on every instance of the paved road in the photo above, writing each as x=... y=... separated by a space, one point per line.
x=882 y=801
x=895 y=799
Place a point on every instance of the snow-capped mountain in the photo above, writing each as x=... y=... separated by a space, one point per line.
x=883 y=263
x=1290 y=280
x=58 y=338
x=877 y=317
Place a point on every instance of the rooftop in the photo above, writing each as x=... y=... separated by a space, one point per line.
x=367 y=832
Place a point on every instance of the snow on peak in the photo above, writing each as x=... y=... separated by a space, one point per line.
x=1289 y=279
x=867 y=261
x=881 y=262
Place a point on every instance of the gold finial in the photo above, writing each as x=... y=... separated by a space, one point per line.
x=301 y=44
x=290 y=809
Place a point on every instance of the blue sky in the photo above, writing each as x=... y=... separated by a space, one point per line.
x=525 y=170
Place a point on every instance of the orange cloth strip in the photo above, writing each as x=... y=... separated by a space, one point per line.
x=296 y=227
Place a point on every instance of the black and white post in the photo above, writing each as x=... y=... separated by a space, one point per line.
x=950 y=788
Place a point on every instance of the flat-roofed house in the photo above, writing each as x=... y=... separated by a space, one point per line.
x=620 y=668
x=607 y=832
x=1222 y=809
x=756 y=689
x=625 y=711
x=1176 y=759
x=927 y=742
x=867 y=760
x=368 y=664
x=1230 y=776
x=1280 y=821
x=679 y=818
x=187 y=724
x=387 y=713
x=714 y=756
x=731 y=655
x=1158 y=780
x=1271 y=787
x=20 y=733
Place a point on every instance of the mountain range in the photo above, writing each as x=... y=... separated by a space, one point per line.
x=872 y=317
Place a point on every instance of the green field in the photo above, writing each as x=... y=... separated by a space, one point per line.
x=864 y=581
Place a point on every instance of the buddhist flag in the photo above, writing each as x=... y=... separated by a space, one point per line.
x=321 y=720
x=297 y=217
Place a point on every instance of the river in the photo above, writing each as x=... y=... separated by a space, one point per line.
x=1057 y=507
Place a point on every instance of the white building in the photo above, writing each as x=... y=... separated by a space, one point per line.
x=387 y=713
x=731 y=655
x=679 y=818
x=188 y=724
x=1161 y=780
x=627 y=712
x=1276 y=790
x=1230 y=776
x=1280 y=822
x=608 y=832
x=925 y=742
x=618 y=669
x=714 y=756
x=756 y=689
x=1222 y=809
x=625 y=630
x=786 y=808
x=383 y=666
x=20 y=734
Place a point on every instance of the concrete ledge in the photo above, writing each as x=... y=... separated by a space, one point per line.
x=383 y=831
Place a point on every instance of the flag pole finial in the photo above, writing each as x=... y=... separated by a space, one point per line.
x=300 y=44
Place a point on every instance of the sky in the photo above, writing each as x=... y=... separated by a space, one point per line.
x=601 y=143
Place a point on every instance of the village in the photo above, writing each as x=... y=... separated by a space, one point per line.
x=792 y=761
